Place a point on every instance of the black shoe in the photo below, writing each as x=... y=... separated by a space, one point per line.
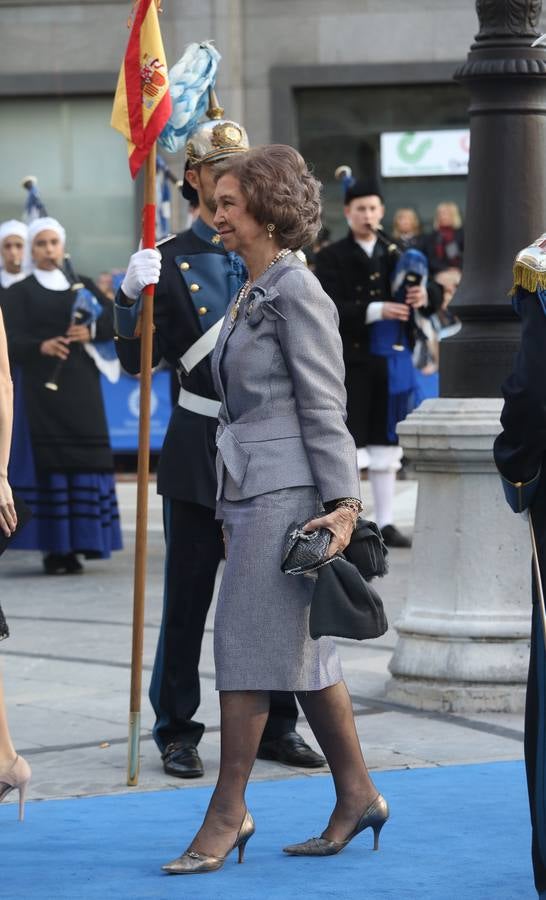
x=182 y=762
x=291 y=749
x=62 y=564
x=72 y=564
x=394 y=538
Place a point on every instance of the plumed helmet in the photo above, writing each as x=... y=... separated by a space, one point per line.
x=216 y=138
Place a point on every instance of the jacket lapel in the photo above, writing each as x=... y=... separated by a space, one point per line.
x=218 y=354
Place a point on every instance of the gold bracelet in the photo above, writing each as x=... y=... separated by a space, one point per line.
x=352 y=503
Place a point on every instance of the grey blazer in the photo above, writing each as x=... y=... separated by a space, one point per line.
x=280 y=376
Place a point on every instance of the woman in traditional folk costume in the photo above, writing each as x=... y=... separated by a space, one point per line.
x=61 y=461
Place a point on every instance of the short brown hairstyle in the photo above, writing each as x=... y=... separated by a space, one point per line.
x=279 y=189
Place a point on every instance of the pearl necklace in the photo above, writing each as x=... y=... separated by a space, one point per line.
x=245 y=290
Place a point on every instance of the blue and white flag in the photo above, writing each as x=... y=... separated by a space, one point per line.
x=189 y=81
x=86 y=309
x=34 y=208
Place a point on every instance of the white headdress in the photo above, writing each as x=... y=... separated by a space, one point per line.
x=47 y=223
x=13 y=226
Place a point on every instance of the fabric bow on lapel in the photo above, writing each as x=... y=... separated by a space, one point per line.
x=259 y=306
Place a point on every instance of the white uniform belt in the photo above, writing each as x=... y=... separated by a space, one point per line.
x=201 y=348
x=200 y=405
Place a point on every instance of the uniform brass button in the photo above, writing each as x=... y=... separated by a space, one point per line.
x=359 y=287
x=194 y=288
x=359 y=303
x=356 y=345
x=203 y=310
x=216 y=239
x=184 y=266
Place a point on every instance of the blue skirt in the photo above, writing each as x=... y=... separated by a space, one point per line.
x=72 y=512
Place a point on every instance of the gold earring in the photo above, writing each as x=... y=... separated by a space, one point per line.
x=270 y=230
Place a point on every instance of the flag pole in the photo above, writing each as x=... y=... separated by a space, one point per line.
x=143 y=468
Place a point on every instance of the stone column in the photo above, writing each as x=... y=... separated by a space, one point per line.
x=463 y=637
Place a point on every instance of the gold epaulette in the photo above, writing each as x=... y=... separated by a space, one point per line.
x=530 y=267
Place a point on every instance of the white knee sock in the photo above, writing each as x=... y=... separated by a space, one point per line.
x=362 y=457
x=382 y=484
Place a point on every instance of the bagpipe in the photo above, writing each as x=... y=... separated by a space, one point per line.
x=411 y=268
x=85 y=310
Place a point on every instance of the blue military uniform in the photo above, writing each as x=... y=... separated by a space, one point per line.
x=519 y=454
x=198 y=280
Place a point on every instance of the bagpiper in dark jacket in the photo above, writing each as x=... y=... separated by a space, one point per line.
x=354 y=280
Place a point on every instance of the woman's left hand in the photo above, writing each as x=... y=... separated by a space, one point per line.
x=79 y=333
x=341 y=523
x=8 y=516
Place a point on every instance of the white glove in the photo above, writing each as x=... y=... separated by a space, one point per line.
x=144 y=268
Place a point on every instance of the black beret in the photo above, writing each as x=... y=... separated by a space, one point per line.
x=364 y=187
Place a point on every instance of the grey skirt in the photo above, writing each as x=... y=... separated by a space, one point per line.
x=261 y=629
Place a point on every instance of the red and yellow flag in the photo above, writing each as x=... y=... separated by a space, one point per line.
x=142 y=104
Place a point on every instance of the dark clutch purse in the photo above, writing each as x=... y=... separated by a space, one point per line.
x=343 y=604
x=304 y=552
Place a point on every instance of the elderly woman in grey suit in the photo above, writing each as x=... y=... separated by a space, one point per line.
x=284 y=455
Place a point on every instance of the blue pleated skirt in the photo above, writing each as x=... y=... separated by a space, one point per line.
x=72 y=512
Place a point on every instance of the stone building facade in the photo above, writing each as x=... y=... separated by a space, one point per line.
x=328 y=76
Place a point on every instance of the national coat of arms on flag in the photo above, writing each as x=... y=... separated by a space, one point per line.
x=142 y=104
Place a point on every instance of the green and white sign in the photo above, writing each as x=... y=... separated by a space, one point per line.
x=411 y=153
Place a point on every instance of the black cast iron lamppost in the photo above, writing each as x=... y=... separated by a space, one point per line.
x=506 y=194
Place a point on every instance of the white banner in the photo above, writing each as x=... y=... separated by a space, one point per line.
x=410 y=153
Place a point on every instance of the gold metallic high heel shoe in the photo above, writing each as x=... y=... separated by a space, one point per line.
x=16 y=778
x=375 y=817
x=192 y=862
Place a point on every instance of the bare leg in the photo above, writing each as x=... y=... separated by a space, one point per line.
x=243 y=715
x=7 y=750
x=330 y=715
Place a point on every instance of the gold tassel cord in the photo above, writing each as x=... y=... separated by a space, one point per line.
x=527 y=278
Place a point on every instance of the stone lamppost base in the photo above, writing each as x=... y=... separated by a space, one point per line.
x=463 y=637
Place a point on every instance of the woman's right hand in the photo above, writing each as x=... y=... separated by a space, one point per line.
x=57 y=346
x=8 y=516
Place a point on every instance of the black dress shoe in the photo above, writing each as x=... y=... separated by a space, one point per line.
x=182 y=761
x=72 y=564
x=62 y=564
x=292 y=750
x=394 y=538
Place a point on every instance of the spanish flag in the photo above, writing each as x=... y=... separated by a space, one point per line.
x=142 y=104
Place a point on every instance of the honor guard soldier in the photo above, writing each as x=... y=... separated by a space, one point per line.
x=376 y=331
x=196 y=279
x=519 y=455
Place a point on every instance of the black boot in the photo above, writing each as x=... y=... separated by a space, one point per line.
x=394 y=538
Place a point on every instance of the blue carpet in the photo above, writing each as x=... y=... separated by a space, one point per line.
x=455 y=833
